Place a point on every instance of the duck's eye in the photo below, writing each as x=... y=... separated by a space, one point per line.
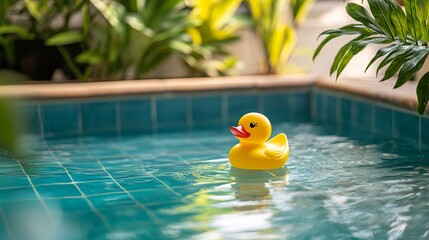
x=252 y=124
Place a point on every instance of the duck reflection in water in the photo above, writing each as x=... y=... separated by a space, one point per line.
x=256 y=187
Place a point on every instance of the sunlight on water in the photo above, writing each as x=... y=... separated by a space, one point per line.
x=337 y=184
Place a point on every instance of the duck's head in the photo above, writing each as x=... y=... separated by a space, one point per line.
x=252 y=128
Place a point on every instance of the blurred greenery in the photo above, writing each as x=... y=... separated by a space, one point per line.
x=10 y=116
x=277 y=32
x=216 y=27
x=406 y=32
x=133 y=37
x=112 y=39
x=9 y=126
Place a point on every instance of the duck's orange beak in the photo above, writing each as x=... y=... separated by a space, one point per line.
x=239 y=131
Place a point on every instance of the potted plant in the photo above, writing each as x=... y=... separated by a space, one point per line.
x=404 y=30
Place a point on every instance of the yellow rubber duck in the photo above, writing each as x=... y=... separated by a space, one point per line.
x=254 y=152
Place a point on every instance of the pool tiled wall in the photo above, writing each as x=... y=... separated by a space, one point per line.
x=160 y=113
x=216 y=110
x=337 y=108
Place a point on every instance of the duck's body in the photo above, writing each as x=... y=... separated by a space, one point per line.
x=253 y=152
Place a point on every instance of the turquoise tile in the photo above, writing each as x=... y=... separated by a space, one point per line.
x=383 y=120
x=140 y=183
x=60 y=119
x=238 y=105
x=45 y=169
x=10 y=195
x=98 y=117
x=425 y=130
x=111 y=201
x=207 y=111
x=172 y=127
x=58 y=190
x=50 y=179
x=318 y=105
x=102 y=187
x=128 y=216
x=300 y=108
x=346 y=110
x=171 y=111
x=13 y=181
x=70 y=204
x=329 y=107
x=277 y=106
x=362 y=115
x=89 y=175
x=406 y=126
x=158 y=196
x=3 y=231
x=136 y=115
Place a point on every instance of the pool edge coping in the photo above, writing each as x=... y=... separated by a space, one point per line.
x=403 y=97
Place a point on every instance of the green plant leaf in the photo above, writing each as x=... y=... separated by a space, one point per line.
x=65 y=38
x=343 y=50
x=90 y=57
x=134 y=21
x=34 y=8
x=300 y=9
x=400 y=50
x=399 y=19
x=422 y=15
x=423 y=93
x=323 y=43
x=113 y=12
x=18 y=30
x=381 y=52
x=394 y=66
x=86 y=19
x=356 y=47
x=360 y=14
x=381 y=12
x=9 y=126
x=350 y=29
x=412 y=65
x=346 y=30
x=413 y=23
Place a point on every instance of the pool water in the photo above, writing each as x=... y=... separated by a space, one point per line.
x=339 y=183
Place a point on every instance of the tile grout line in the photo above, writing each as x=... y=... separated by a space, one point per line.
x=168 y=187
x=79 y=120
x=153 y=114
x=118 y=117
x=162 y=182
x=48 y=211
x=6 y=224
x=39 y=116
x=189 y=118
x=101 y=216
x=148 y=211
x=338 y=110
x=224 y=105
x=420 y=133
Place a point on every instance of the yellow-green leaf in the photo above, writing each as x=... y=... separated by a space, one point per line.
x=65 y=38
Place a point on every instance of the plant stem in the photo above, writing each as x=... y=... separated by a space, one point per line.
x=70 y=63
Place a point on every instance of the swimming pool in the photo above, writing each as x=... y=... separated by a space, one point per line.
x=156 y=167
